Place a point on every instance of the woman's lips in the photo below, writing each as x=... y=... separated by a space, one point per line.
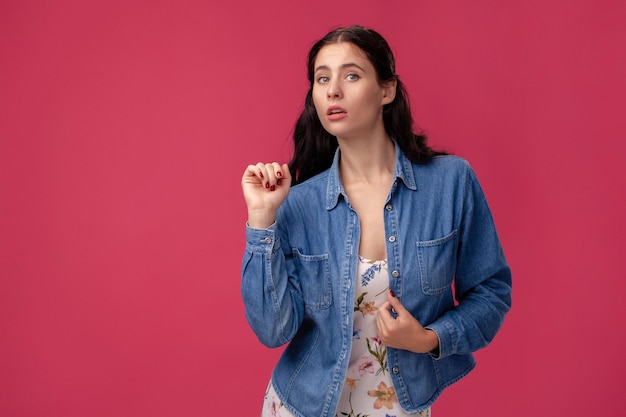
x=336 y=113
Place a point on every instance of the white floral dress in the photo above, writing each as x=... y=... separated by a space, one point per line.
x=368 y=391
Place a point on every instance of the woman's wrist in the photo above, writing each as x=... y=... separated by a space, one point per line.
x=434 y=342
x=429 y=342
x=261 y=219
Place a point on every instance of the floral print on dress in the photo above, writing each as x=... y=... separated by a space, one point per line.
x=368 y=390
x=272 y=405
x=385 y=396
x=370 y=272
x=365 y=365
x=378 y=351
x=365 y=307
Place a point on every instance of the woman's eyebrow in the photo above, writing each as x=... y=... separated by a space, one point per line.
x=344 y=66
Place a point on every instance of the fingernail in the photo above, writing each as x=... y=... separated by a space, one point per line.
x=273 y=187
x=261 y=174
x=267 y=185
x=391 y=293
x=278 y=181
x=279 y=174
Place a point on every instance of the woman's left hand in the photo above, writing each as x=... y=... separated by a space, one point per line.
x=403 y=331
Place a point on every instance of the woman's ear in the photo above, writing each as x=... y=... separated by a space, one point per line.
x=389 y=91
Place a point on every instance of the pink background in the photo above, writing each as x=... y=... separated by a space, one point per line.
x=125 y=127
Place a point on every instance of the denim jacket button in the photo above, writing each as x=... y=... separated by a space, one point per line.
x=388 y=207
x=395 y=370
x=395 y=274
x=267 y=240
x=392 y=239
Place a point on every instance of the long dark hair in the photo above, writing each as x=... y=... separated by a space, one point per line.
x=314 y=147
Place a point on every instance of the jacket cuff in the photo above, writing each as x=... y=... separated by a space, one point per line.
x=445 y=333
x=260 y=239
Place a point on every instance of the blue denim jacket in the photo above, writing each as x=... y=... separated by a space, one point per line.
x=298 y=279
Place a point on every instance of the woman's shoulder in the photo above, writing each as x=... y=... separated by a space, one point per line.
x=306 y=197
x=443 y=172
x=309 y=192
x=318 y=181
x=444 y=164
x=451 y=161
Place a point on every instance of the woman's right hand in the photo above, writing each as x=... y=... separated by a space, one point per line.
x=265 y=187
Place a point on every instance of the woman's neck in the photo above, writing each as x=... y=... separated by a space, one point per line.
x=368 y=160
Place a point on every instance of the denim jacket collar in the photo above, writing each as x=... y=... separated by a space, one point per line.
x=402 y=170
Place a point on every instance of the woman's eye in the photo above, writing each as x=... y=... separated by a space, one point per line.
x=322 y=80
x=352 y=77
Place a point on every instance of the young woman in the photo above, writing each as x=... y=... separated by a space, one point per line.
x=353 y=249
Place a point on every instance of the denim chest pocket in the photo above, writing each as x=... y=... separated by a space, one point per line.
x=437 y=263
x=314 y=275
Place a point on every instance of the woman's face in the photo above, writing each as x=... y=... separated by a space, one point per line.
x=346 y=93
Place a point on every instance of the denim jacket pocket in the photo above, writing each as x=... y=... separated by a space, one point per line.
x=314 y=276
x=437 y=263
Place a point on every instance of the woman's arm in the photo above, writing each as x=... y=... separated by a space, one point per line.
x=482 y=280
x=273 y=306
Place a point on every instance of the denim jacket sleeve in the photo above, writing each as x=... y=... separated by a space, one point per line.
x=482 y=280
x=274 y=306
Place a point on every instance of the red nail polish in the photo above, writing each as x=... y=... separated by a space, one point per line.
x=272 y=188
x=278 y=181
x=391 y=293
x=267 y=185
x=261 y=175
x=279 y=174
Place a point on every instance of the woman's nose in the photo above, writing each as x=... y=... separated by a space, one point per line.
x=334 y=90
